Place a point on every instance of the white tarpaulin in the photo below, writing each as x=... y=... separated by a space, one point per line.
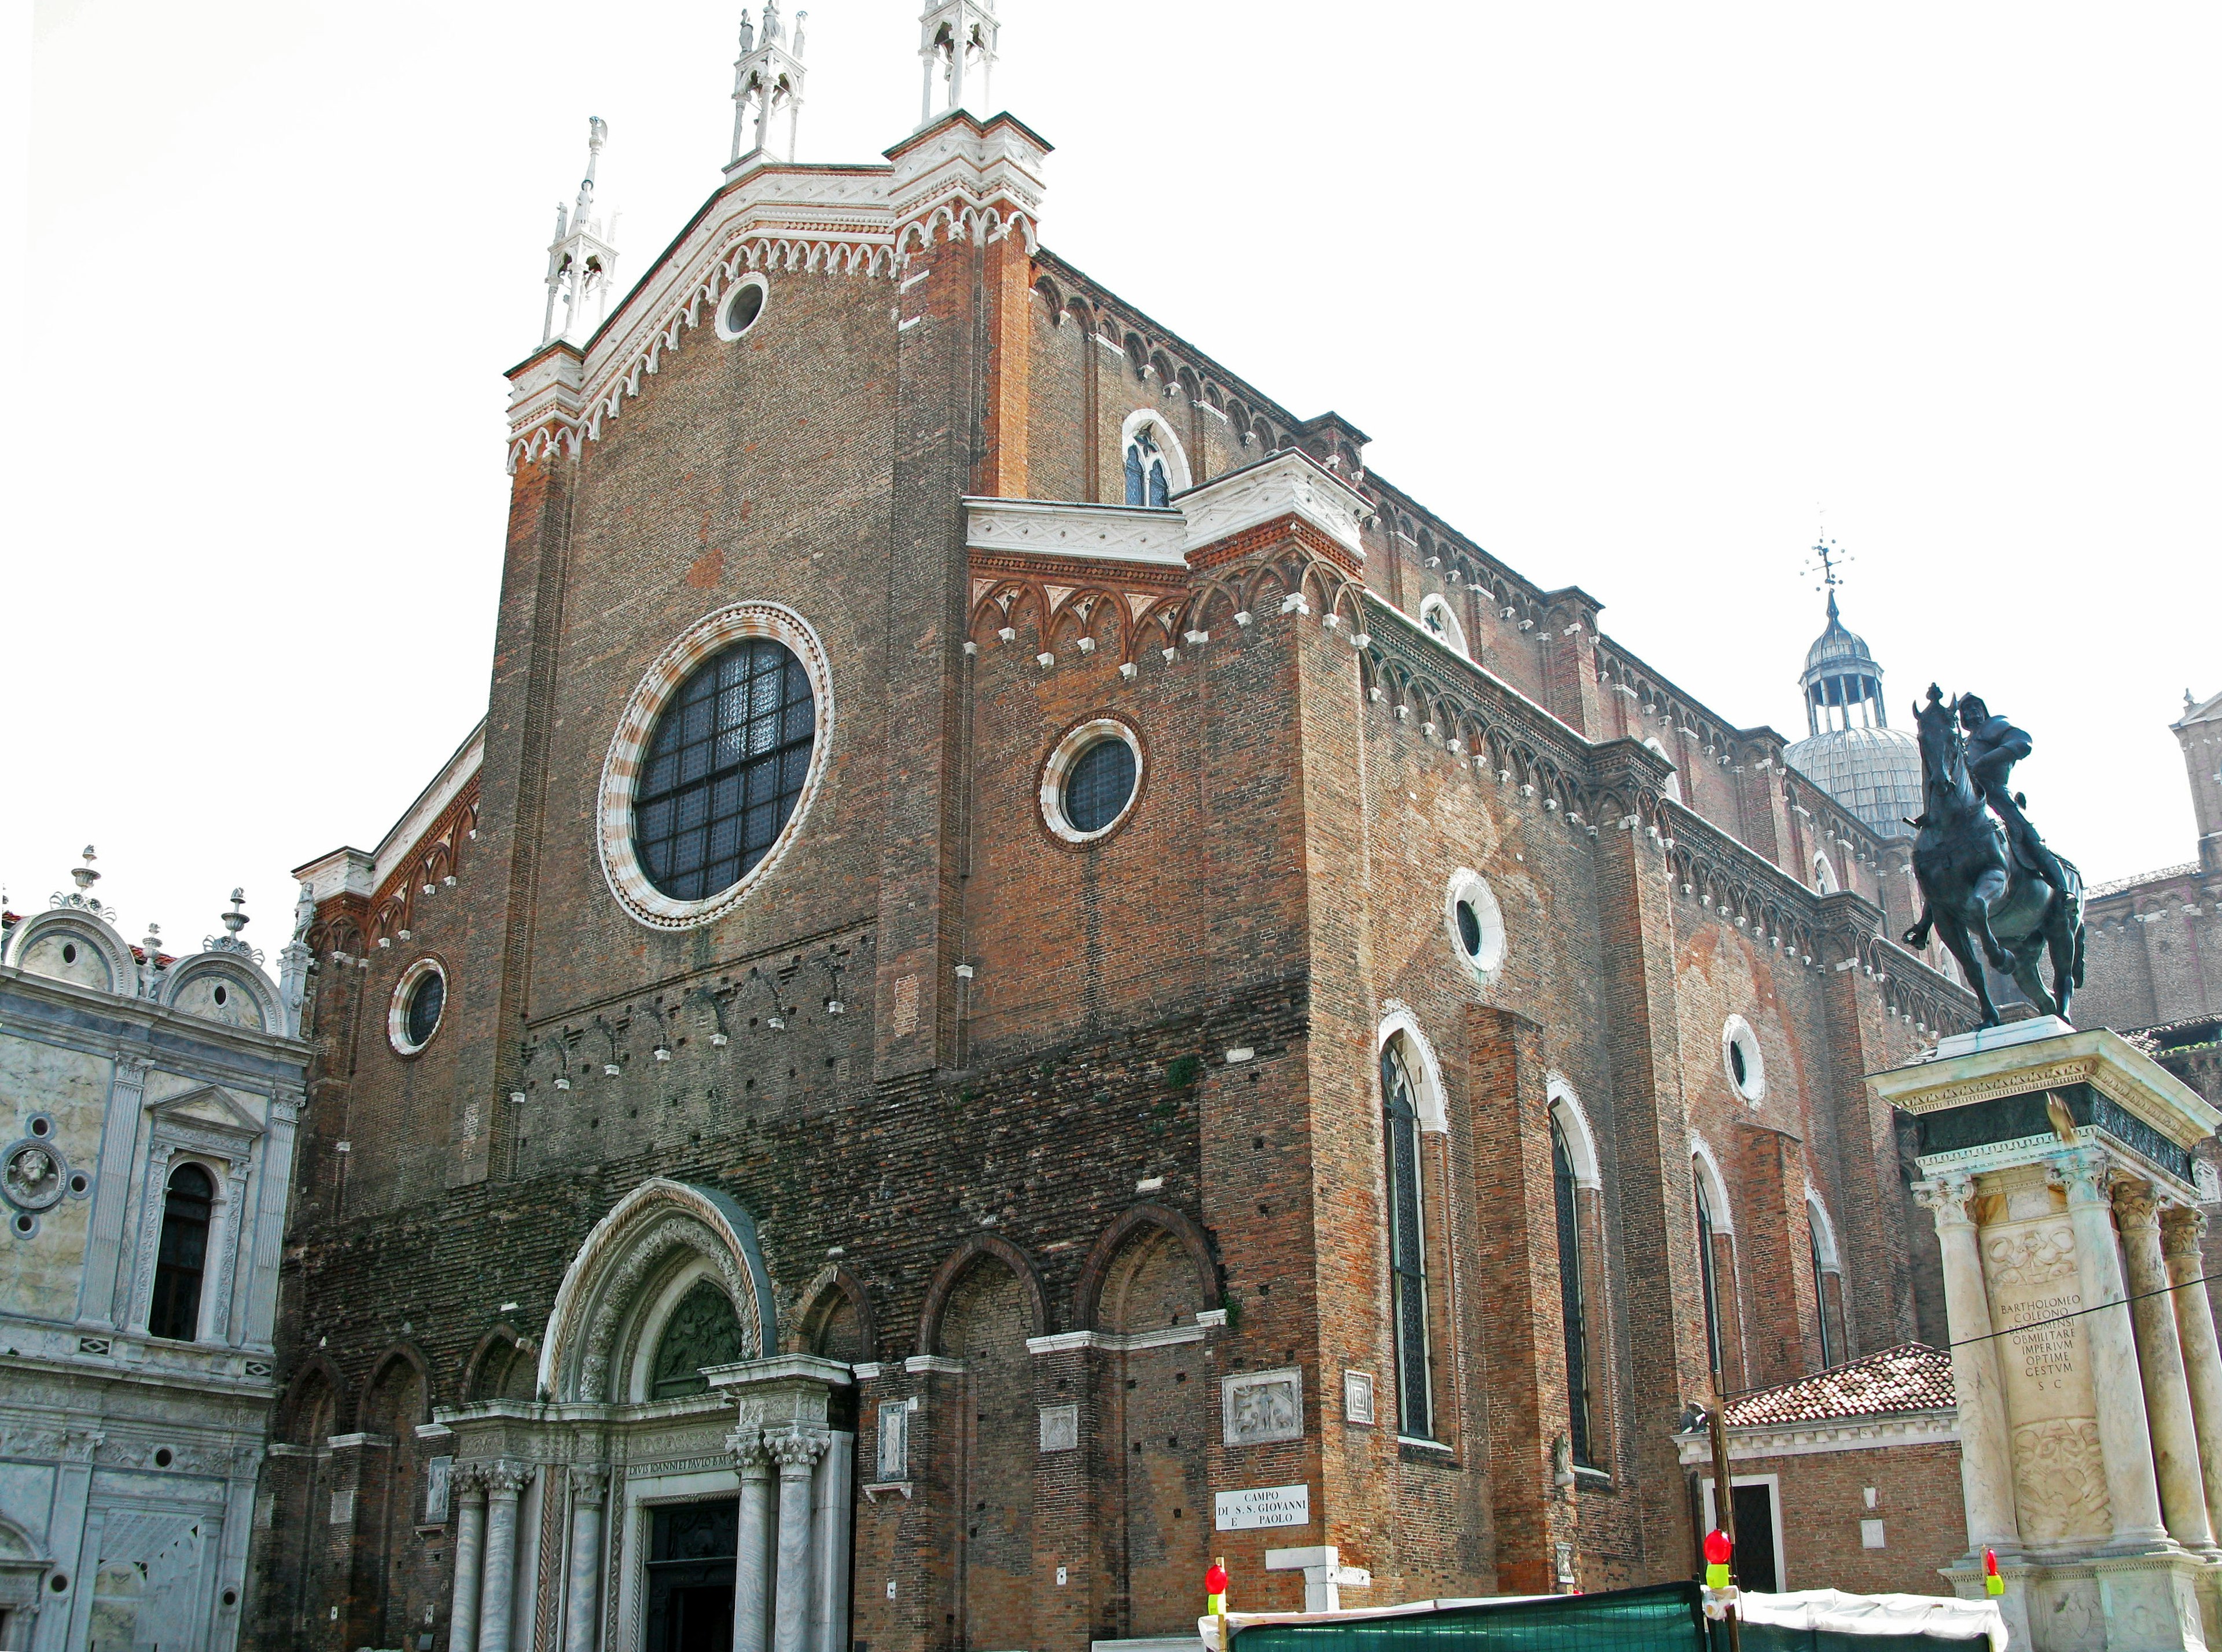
x=1832 y=1609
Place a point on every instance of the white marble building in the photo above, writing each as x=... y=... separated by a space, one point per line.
x=149 y=1104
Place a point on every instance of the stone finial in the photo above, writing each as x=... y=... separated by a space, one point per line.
x=236 y=920
x=84 y=877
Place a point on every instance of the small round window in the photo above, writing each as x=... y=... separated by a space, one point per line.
x=742 y=307
x=1747 y=1068
x=418 y=1001
x=1091 y=779
x=1475 y=926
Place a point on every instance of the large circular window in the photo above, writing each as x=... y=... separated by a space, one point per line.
x=1475 y=926
x=714 y=761
x=419 y=998
x=1091 y=779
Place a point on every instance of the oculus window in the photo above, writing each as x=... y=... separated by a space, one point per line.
x=714 y=764
x=420 y=998
x=1474 y=924
x=1747 y=1068
x=741 y=308
x=1091 y=781
x=729 y=758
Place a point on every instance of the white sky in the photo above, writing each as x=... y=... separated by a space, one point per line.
x=1630 y=293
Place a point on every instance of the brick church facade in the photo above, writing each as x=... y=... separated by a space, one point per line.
x=1036 y=975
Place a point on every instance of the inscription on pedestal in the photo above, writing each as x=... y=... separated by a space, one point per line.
x=2044 y=1366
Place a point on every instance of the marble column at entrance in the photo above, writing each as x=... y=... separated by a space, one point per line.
x=797 y=1455
x=497 y=1594
x=582 y=1569
x=1985 y=1448
x=468 y=1486
x=2124 y=1434
x=2160 y=1361
x=752 y=1557
x=2180 y=1230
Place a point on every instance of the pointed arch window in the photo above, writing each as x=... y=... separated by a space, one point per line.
x=1706 y=1274
x=183 y=1256
x=1407 y=1243
x=1570 y=1296
x=1149 y=482
x=1820 y=1294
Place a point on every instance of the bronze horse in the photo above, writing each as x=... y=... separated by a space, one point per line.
x=1972 y=884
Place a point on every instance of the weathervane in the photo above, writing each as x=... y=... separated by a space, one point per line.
x=1828 y=560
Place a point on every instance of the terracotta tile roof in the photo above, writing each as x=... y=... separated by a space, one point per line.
x=1912 y=1377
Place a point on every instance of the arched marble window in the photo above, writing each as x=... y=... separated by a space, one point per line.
x=1408 y=1272
x=703 y=1330
x=1148 y=481
x=1441 y=622
x=1707 y=1271
x=1572 y=1306
x=1824 y=873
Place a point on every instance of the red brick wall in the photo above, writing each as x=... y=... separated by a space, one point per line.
x=1823 y=1501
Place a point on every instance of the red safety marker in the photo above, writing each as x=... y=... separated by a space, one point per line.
x=1214 y=1588
x=1993 y=1583
x=1718 y=1550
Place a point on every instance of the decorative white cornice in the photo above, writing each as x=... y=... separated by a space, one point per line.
x=2096 y=1056
x=961 y=178
x=1835 y=1433
x=1121 y=1341
x=1288 y=484
x=1119 y=532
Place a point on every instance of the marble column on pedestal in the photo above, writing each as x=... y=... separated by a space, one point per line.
x=797 y=1455
x=497 y=1594
x=582 y=1568
x=2181 y=1231
x=2160 y=1362
x=752 y=1555
x=1986 y=1446
x=468 y=1486
x=2125 y=1433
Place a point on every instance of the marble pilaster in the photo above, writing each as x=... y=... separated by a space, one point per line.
x=2181 y=1229
x=797 y=1455
x=468 y=1487
x=752 y=1559
x=582 y=1568
x=497 y=1590
x=1985 y=1448
x=2160 y=1362
x=2124 y=1428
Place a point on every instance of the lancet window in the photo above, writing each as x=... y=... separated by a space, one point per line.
x=1572 y=1307
x=1148 y=481
x=1407 y=1243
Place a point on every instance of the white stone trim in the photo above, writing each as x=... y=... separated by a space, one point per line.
x=1288 y=484
x=1428 y=1074
x=1041 y=527
x=1716 y=1186
x=1453 y=636
x=1165 y=1336
x=1940 y=1427
x=1575 y=1125
x=754 y=278
x=1736 y=1035
x=1825 y=1229
x=396 y=1008
x=1058 y=766
x=1467 y=885
x=1178 y=477
x=628 y=882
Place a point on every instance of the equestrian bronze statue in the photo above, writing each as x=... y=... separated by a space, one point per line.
x=1986 y=876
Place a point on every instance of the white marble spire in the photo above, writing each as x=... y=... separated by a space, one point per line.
x=581 y=262
x=766 y=81
x=957 y=46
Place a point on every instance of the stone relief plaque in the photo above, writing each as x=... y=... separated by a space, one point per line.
x=437 y=1473
x=894 y=1440
x=1258 y=1407
x=2044 y=1369
x=1060 y=1428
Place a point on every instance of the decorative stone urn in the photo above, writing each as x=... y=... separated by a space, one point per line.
x=2058 y=1167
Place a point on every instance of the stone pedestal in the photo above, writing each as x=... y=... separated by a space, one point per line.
x=2082 y=1461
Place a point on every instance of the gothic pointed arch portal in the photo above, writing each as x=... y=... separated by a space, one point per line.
x=609 y=1285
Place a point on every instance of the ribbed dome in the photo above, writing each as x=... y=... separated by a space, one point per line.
x=1837 y=648
x=1874 y=772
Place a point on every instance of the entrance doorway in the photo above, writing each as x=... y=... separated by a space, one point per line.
x=690 y=1575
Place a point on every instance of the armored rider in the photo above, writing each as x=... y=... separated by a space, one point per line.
x=1994 y=746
